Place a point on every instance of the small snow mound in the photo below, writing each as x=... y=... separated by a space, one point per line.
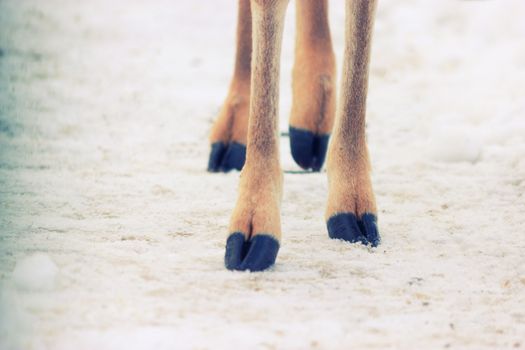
x=455 y=145
x=36 y=272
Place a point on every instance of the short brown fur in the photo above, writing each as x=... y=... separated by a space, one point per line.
x=314 y=76
x=350 y=188
x=258 y=205
x=232 y=122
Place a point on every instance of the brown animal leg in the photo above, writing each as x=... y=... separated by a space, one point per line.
x=228 y=134
x=313 y=107
x=351 y=212
x=255 y=226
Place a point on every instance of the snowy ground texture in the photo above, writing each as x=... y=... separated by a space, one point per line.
x=112 y=233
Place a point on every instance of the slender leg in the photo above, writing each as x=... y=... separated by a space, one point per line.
x=313 y=107
x=255 y=226
x=228 y=135
x=351 y=211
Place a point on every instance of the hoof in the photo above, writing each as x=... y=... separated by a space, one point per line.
x=216 y=154
x=226 y=157
x=256 y=254
x=308 y=149
x=347 y=227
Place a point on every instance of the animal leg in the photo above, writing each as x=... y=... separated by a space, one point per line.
x=255 y=226
x=228 y=134
x=351 y=211
x=313 y=108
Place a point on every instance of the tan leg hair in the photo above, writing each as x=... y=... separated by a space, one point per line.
x=258 y=205
x=232 y=122
x=313 y=106
x=350 y=188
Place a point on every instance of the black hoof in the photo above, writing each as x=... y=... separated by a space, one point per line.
x=257 y=254
x=216 y=154
x=308 y=149
x=368 y=225
x=226 y=157
x=345 y=226
x=236 y=249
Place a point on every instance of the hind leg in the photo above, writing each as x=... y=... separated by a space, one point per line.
x=351 y=212
x=313 y=107
x=228 y=134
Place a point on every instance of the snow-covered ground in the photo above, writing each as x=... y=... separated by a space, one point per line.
x=112 y=232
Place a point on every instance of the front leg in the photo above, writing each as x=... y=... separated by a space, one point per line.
x=255 y=226
x=351 y=212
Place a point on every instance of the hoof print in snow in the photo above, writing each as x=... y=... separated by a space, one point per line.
x=256 y=254
x=308 y=149
x=226 y=157
x=347 y=227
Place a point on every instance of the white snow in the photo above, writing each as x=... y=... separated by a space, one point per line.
x=105 y=107
x=450 y=143
x=36 y=272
